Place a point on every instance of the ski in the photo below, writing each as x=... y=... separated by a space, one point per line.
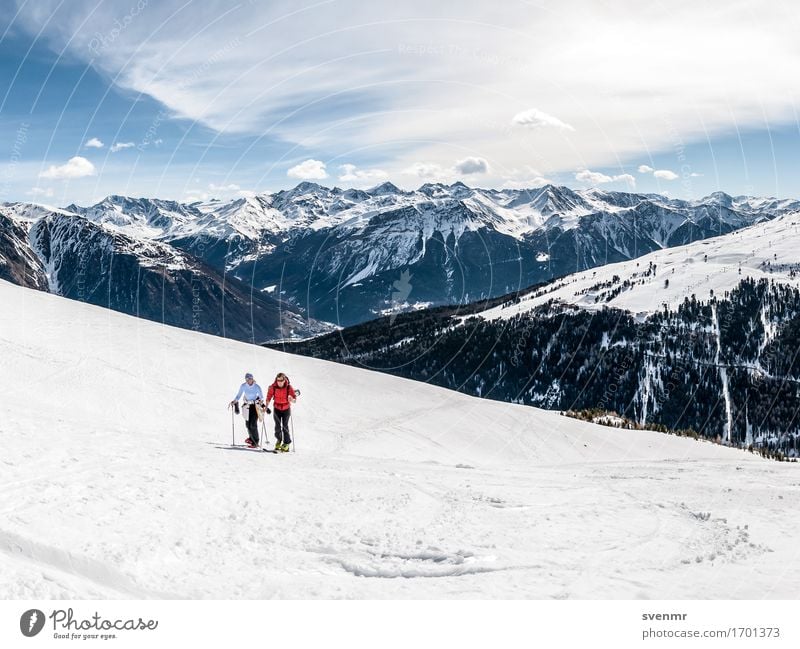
x=251 y=448
x=258 y=449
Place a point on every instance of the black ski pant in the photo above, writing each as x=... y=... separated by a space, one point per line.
x=281 y=418
x=252 y=423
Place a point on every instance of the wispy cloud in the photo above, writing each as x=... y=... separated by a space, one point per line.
x=525 y=177
x=77 y=167
x=119 y=146
x=94 y=143
x=232 y=187
x=45 y=192
x=228 y=191
x=535 y=118
x=427 y=170
x=530 y=183
x=645 y=169
x=332 y=85
x=349 y=173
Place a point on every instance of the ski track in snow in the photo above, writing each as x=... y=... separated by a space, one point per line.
x=120 y=483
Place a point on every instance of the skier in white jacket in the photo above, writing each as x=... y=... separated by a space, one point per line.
x=253 y=398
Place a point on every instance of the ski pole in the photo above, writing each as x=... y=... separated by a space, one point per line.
x=263 y=426
x=291 y=423
x=291 y=419
x=233 y=440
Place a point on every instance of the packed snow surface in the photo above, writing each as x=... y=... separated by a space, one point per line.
x=118 y=481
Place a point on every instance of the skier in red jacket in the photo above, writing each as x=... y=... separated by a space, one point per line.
x=283 y=395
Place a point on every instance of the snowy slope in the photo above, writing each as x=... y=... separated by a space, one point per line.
x=766 y=250
x=117 y=482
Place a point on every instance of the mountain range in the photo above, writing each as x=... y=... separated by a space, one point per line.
x=298 y=262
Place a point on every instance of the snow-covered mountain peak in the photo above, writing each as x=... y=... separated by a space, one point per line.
x=144 y=218
x=718 y=198
x=27 y=213
x=303 y=189
x=434 y=190
x=384 y=188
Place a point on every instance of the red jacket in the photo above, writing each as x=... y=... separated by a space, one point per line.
x=281 y=395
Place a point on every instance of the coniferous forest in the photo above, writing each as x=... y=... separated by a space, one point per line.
x=725 y=368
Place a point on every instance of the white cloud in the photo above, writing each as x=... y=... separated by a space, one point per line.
x=598 y=178
x=94 y=143
x=594 y=177
x=119 y=146
x=76 y=167
x=665 y=174
x=535 y=118
x=349 y=173
x=626 y=178
x=472 y=166
x=308 y=170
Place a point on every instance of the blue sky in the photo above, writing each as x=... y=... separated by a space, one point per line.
x=193 y=99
